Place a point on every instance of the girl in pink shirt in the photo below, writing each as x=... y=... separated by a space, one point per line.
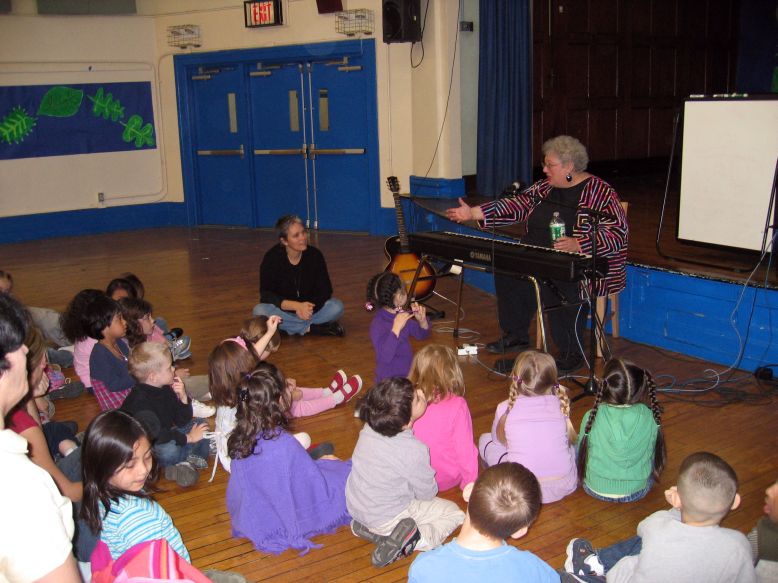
x=446 y=427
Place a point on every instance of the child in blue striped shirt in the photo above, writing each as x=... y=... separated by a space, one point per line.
x=119 y=470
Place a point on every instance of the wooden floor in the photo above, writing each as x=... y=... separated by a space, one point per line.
x=206 y=281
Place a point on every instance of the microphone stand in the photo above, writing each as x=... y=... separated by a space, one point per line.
x=590 y=388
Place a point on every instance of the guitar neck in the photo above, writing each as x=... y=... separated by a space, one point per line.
x=402 y=233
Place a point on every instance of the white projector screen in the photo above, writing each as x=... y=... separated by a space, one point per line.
x=730 y=147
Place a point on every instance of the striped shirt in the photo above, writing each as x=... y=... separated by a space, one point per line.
x=132 y=520
x=612 y=235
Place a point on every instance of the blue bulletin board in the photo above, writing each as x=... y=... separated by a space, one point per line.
x=67 y=119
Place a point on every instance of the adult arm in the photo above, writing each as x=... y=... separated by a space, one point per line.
x=514 y=209
x=612 y=233
x=40 y=456
x=67 y=572
x=319 y=285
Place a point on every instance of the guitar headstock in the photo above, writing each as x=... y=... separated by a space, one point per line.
x=393 y=184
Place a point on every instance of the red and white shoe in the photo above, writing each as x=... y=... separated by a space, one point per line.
x=337 y=382
x=351 y=387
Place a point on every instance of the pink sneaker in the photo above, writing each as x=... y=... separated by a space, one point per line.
x=337 y=382
x=351 y=387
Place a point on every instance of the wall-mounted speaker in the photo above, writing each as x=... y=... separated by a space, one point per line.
x=402 y=21
x=329 y=6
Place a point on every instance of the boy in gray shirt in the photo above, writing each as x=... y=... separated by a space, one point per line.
x=685 y=544
x=391 y=490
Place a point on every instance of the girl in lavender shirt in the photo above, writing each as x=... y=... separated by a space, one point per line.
x=533 y=427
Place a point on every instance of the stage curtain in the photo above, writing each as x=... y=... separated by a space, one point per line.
x=504 y=95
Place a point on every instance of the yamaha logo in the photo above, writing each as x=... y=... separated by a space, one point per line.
x=481 y=256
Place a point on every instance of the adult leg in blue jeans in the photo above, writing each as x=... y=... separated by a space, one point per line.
x=331 y=311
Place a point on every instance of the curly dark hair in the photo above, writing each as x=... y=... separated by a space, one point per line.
x=134 y=280
x=121 y=284
x=73 y=319
x=262 y=413
x=134 y=310
x=387 y=407
x=98 y=315
x=381 y=289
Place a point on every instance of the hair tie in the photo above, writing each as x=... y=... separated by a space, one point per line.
x=248 y=376
x=237 y=340
x=243 y=395
x=516 y=379
x=369 y=306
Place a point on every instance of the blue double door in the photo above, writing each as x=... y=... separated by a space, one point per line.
x=281 y=136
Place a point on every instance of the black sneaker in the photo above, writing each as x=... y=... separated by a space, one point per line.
x=507 y=344
x=327 y=329
x=400 y=543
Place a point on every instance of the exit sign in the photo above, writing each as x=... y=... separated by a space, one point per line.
x=263 y=13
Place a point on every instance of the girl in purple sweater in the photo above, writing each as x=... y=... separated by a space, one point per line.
x=392 y=326
x=533 y=427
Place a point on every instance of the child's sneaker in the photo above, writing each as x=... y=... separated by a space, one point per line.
x=360 y=530
x=183 y=474
x=582 y=559
x=201 y=410
x=70 y=390
x=338 y=381
x=320 y=449
x=400 y=543
x=197 y=462
x=351 y=387
x=179 y=348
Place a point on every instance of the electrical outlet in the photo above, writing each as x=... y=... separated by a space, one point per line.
x=101 y=197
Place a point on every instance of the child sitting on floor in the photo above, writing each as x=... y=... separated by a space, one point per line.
x=533 y=427
x=764 y=538
x=262 y=337
x=503 y=502
x=621 y=448
x=75 y=327
x=391 y=490
x=446 y=426
x=159 y=401
x=277 y=495
x=110 y=377
x=685 y=544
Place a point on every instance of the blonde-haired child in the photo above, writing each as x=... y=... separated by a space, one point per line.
x=446 y=427
x=532 y=427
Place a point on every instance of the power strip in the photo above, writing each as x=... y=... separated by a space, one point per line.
x=467 y=350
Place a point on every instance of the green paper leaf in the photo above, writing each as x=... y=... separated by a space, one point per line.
x=61 y=101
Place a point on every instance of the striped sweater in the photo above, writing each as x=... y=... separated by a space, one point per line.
x=612 y=235
x=132 y=520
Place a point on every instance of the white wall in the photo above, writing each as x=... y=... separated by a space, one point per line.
x=411 y=103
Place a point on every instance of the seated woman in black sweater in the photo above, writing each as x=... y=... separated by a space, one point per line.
x=295 y=285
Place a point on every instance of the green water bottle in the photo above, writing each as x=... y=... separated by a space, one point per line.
x=556 y=226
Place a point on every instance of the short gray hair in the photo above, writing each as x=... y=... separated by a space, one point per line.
x=568 y=149
x=283 y=224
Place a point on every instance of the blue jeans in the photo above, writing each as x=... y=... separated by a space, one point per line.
x=330 y=311
x=639 y=495
x=170 y=453
x=611 y=555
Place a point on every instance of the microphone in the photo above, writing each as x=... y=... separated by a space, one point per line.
x=512 y=190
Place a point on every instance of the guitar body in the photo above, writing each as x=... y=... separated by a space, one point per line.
x=404 y=264
x=402 y=260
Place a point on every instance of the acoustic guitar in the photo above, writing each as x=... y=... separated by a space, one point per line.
x=402 y=260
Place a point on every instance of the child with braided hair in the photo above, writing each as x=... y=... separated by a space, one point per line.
x=532 y=427
x=392 y=326
x=622 y=454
